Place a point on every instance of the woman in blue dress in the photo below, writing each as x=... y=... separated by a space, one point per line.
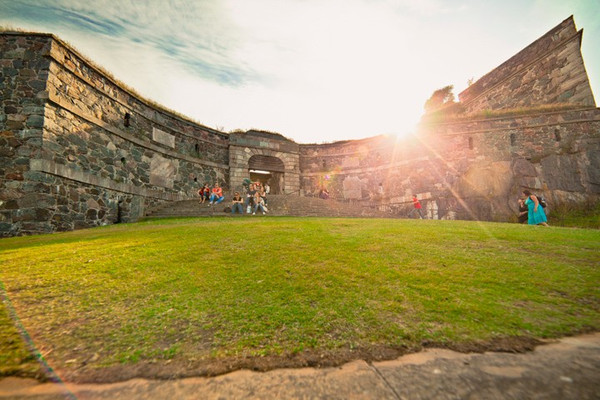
x=535 y=212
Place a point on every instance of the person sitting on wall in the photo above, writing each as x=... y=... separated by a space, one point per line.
x=263 y=195
x=249 y=203
x=217 y=195
x=417 y=207
x=201 y=195
x=204 y=193
x=324 y=194
x=236 y=203
x=522 y=211
x=267 y=188
x=259 y=203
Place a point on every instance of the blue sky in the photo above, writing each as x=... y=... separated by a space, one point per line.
x=312 y=70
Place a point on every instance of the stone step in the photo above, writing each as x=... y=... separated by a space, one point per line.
x=278 y=205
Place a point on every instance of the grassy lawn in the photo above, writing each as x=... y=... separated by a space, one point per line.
x=586 y=216
x=193 y=290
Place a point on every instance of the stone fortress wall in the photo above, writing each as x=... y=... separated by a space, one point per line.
x=548 y=71
x=79 y=149
x=475 y=167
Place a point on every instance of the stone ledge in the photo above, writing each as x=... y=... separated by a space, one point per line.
x=364 y=170
x=63 y=171
x=512 y=117
x=124 y=135
x=523 y=127
x=237 y=147
x=497 y=76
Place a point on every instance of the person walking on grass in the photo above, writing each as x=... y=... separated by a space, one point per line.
x=417 y=206
x=535 y=212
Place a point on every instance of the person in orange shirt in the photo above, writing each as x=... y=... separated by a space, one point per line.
x=216 y=196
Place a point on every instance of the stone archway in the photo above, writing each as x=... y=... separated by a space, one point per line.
x=267 y=169
x=265 y=152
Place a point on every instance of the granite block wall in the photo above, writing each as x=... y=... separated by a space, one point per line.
x=549 y=71
x=79 y=149
x=67 y=127
x=23 y=76
x=473 y=169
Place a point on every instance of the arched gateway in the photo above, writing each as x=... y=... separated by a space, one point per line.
x=268 y=170
x=265 y=157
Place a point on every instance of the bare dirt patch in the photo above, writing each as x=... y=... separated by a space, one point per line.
x=181 y=368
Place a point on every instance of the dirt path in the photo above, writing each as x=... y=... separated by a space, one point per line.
x=566 y=369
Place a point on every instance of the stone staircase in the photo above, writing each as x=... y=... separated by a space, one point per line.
x=278 y=205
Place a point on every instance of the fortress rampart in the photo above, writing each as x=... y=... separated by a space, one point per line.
x=81 y=150
x=548 y=71
x=473 y=169
x=78 y=149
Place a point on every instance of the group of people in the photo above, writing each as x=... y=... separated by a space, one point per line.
x=531 y=210
x=256 y=199
x=212 y=196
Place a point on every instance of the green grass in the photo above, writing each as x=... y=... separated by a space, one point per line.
x=15 y=358
x=586 y=215
x=207 y=289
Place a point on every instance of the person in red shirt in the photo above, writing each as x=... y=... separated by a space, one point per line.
x=204 y=193
x=418 y=207
x=216 y=196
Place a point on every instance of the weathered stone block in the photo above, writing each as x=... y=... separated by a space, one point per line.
x=37 y=176
x=10 y=109
x=163 y=137
x=9 y=205
x=562 y=172
x=593 y=169
x=35 y=121
x=91 y=214
x=163 y=171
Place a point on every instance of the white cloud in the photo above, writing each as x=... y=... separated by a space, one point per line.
x=313 y=70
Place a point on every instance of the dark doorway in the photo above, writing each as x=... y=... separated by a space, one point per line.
x=267 y=170
x=273 y=179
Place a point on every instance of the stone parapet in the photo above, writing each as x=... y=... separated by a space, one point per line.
x=94 y=94
x=549 y=71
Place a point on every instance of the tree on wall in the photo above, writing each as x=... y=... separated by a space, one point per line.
x=440 y=98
